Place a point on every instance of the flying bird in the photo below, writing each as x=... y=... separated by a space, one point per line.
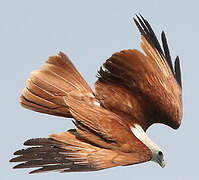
x=133 y=91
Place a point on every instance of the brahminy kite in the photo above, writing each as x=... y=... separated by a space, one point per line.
x=134 y=90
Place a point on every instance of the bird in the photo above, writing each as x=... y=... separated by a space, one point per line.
x=134 y=89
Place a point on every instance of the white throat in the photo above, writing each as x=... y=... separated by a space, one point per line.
x=157 y=155
x=142 y=136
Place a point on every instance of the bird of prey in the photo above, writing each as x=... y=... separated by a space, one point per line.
x=134 y=90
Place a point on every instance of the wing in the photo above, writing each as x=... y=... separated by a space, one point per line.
x=68 y=152
x=102 y=140
x=152 y=84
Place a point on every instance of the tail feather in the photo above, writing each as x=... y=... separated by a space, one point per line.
x=59 y=111
x=47 y=89
x=63 y=62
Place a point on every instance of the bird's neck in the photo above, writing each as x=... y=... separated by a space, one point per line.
x=142 y=136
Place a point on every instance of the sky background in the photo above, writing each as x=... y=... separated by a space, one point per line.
x=89 y=32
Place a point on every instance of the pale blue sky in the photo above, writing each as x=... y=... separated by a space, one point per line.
x=89 y=32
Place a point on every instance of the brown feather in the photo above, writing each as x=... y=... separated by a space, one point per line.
x=64 y=152
x=149 y=79
x=113 y=129
x=153 y=85
x=123 y=102
x=48 y=87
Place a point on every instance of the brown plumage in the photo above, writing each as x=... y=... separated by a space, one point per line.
x=133 y=91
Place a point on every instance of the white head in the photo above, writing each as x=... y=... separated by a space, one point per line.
x=157 y=154
x=158 y=157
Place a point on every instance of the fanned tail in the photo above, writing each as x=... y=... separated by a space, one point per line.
x=47 y=89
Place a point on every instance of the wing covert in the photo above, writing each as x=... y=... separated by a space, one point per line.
x=103 y=127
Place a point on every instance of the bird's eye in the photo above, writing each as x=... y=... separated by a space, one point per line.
x=160 y=153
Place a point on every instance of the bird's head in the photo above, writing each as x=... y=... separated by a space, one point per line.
x=158 y=157
x=157 y=154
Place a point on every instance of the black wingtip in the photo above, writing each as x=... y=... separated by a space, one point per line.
x=146 y=30
x=13 y=159
x=40 y=141
x=35 y=171
x=138 y=25
x=19 y=152
x=178 y=71
x=19 y=166
x=166 y=51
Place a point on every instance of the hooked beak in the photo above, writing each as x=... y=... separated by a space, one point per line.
x=162 y=163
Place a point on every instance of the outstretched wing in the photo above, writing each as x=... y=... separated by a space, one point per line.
x=97 y=143
x=61 y=152
x=152 y=84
